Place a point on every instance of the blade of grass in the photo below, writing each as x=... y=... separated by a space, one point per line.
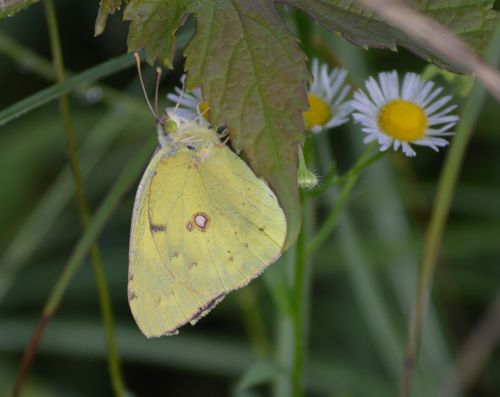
x=49 y=207
x=114 y=366
x=54 y=91
x=442 y=203
x=26 y=58
x=130 y=173
x=186 y=352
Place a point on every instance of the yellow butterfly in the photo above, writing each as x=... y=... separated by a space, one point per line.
x=203 y=225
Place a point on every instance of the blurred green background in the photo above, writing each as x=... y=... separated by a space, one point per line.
x=362 y=280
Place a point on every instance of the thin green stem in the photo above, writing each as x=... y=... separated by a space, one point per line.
x=350 y=178
x=103 y=293
x=444 y=196
x=48 y=209
x=299 y=293
x=130 y=173
x=331 y=180
x=301 y=288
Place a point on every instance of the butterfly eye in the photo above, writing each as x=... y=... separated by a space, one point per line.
x=170 y=126
x=190 y=147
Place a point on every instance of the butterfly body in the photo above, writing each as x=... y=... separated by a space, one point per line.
x=203 y=225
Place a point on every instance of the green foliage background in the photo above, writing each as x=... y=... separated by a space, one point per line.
x=361 y=281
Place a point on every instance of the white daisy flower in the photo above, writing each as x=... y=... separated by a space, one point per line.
x=400 y=118
x=327 y=93
x=188 y=105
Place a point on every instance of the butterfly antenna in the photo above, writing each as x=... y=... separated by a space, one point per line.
x=138 y=64
x=157 y=89
x=202 y=114
x=225 y=135
x=180 y=96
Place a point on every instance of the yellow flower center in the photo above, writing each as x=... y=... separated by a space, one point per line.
x=203 y=107
x=318 y=114
x=403 y=120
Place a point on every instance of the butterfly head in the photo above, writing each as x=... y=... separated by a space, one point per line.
x=175 y=130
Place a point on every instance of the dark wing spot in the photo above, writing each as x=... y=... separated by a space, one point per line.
x=245 y=245
x=131 y=296
x=231 y=258
x=156 y=228
x=261 y=229
x=193 y=264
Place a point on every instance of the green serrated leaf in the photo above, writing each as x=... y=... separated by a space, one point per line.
x=9 y=8
x=106 y=8
x=153 y=26
x=472 y=20
x=252 y=74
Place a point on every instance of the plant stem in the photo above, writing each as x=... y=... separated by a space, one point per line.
x=331 y=221
x=130 y=173
x=441 y=209
x=299 y=296
x=300 y=291
x=117 y=381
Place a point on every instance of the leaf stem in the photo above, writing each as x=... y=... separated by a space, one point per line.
x=444 y=196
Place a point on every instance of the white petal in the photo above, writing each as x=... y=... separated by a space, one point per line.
x=426 y=88
x=433 y=95
x=342 y=95
x=442 y=129
x=389 y=85
x=440 y=120
x=362 y=103
x=411 y=85
x=437 y=105
x=445 y=111
x=408 y=150
x=340 y=78
x=431 y=141
x=374 y=91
